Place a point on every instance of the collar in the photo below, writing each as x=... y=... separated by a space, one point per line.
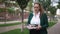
x=37 y=13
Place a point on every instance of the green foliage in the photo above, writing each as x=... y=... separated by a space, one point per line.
x=52 y=23
x=12 y=24
x=10 y=10
x=3 y=0
x=58 y=6
x=52 y=10
x=30 y=5
x=46 y=3
x=22 y=3
x=1 y=9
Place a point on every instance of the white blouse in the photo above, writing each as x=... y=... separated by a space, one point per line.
x=35 y=19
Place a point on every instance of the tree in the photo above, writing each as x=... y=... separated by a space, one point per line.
x=52 y=11
x=11 y=10
x=30 y=5
x=45 y=3
x=58 y=5
x=22 y=4
x=3 y=0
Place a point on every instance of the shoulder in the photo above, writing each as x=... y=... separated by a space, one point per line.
x=44 y=14
x=31 y=13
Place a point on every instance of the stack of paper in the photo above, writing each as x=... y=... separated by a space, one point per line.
x=29 y=27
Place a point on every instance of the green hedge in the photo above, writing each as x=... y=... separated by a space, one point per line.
x=51 y=23
x=3 y=25
x=1 y=9
x=10 y=10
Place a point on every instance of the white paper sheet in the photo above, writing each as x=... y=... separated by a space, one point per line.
x=29 y=27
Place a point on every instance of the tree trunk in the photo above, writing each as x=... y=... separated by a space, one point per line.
x=22 y=21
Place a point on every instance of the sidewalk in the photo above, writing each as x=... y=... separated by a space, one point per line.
x=8 y=28
x=55 y=29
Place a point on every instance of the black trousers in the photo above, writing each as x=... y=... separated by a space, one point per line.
x=34 y=31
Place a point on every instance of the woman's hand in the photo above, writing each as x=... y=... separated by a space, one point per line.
x=29 y=26
x=38 y=27
x=32 y=27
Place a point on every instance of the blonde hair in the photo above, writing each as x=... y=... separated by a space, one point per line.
x=41 y=8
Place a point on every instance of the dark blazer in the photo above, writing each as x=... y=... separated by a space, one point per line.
x=43 y=22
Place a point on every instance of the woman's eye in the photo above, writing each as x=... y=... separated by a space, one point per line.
x=36 y=7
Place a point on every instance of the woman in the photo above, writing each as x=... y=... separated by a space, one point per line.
x=39 y=19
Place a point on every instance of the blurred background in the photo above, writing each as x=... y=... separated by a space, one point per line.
x=11 y=15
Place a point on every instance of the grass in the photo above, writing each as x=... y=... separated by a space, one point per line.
x=51 y=23
x=11 y=24
x=3 y=25
x=16 y=31
x=4 y=20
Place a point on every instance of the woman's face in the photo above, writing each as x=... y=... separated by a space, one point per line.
x=36 y=7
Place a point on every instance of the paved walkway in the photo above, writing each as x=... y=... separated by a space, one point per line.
x=5 y=29
x=55 y=29
x=8 y=22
